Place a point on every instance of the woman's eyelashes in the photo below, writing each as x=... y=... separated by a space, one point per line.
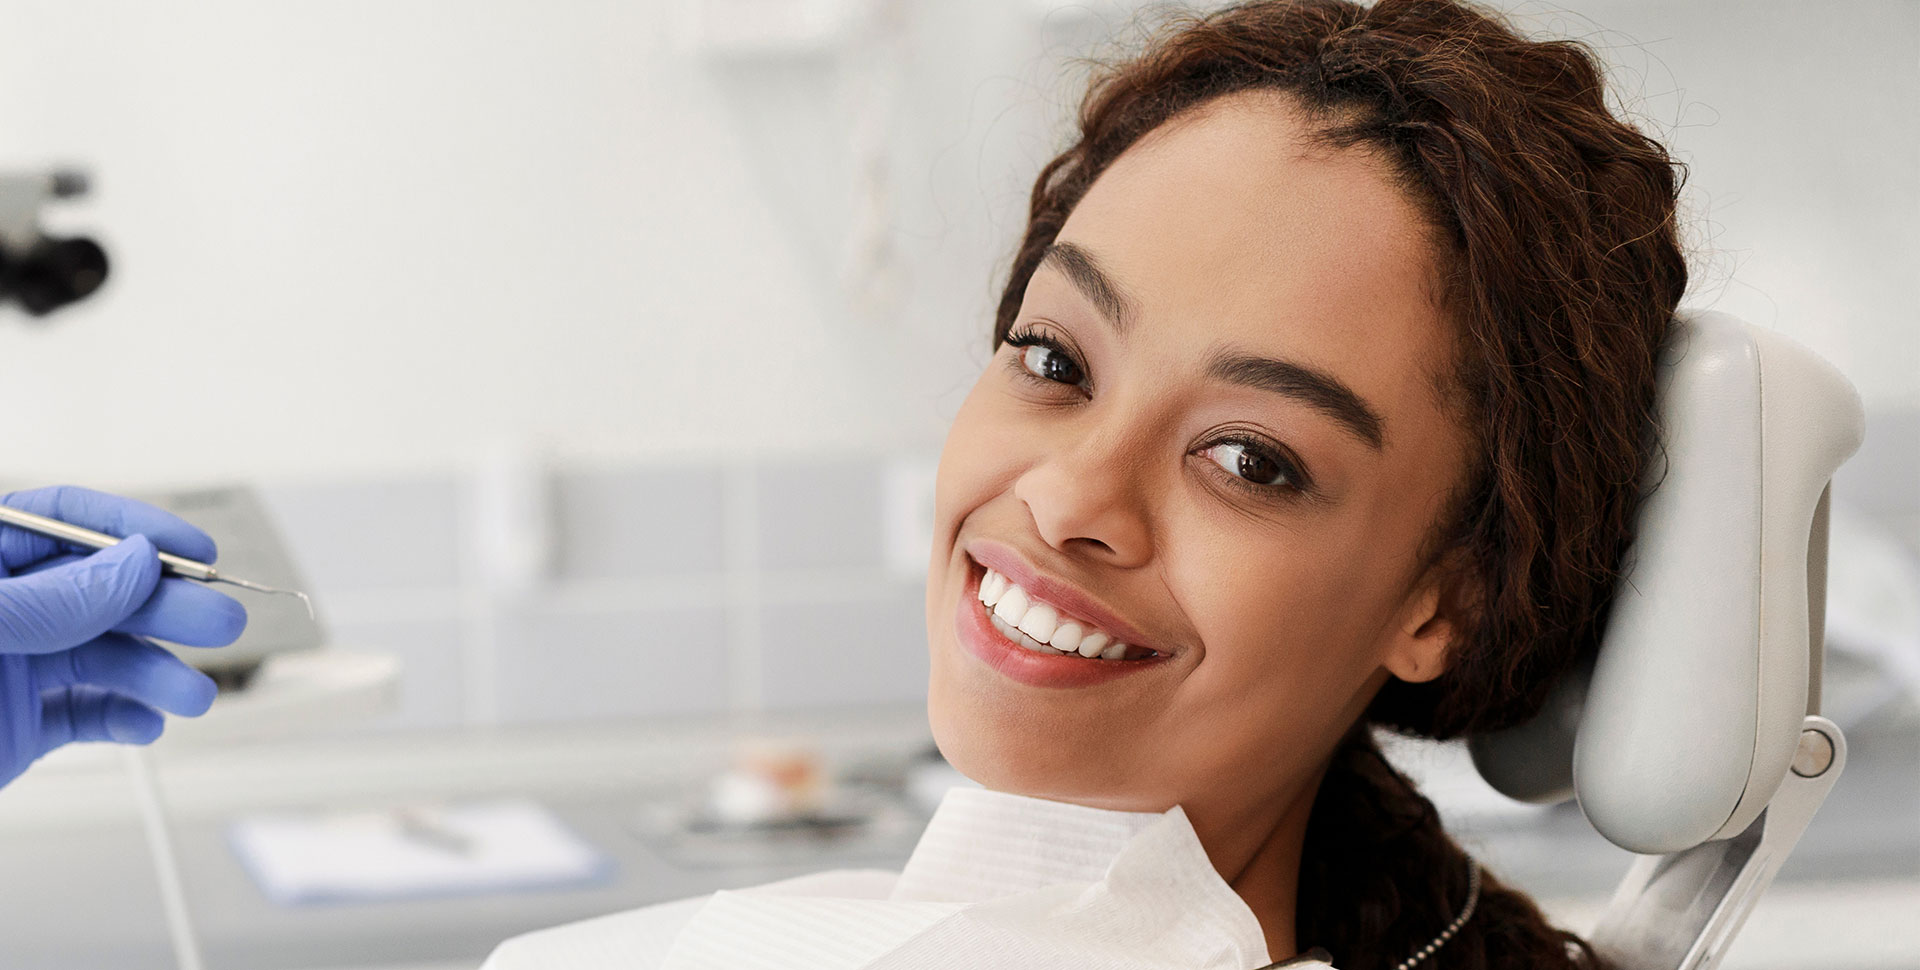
x=1044 y=360
x=1255 y=466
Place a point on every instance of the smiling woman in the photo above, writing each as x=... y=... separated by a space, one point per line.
x=1325 y=362
x=1240 y=458
x=1317 y=405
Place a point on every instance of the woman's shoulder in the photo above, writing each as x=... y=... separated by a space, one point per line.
x=638 y=939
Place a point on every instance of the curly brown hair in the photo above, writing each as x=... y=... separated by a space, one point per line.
x=1556 y=230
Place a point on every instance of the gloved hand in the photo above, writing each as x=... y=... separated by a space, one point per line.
x=74 y=661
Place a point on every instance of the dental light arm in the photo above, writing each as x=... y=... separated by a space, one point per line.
x=1701 y=708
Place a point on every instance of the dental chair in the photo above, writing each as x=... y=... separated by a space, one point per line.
x=1694 y=737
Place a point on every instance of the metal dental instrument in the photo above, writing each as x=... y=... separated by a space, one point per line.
x=177 y=565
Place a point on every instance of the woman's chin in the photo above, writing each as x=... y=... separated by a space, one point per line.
x=989 y=747
x=1023 y=754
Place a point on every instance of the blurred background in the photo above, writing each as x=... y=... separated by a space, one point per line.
x=589 y=364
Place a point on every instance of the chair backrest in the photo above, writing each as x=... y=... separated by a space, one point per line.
x=1682 y=728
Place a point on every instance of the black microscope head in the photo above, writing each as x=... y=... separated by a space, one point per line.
x=53 y=274
x=43 y=273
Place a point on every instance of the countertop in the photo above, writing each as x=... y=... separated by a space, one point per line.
x=77 y=889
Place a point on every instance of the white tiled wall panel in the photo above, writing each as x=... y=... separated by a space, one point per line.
x=868 y=649
x=566 y=664
x=669 y=586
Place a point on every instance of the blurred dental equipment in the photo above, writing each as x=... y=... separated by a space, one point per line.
x=415 y=851
x=44 y=273
x=782 y=800
x=771 y=783
x=178 y=566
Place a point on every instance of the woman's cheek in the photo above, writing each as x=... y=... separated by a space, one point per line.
x=1267 y=611
x=967 y=461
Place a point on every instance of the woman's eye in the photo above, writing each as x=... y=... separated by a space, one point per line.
x=1250 y=463
x=1050 y=364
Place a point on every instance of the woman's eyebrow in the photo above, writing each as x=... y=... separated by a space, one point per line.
x=1316 y=388
x=1093 y=282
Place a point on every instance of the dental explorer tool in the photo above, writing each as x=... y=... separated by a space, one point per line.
x=177 y=565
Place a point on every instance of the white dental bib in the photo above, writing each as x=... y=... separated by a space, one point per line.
x=997 y=882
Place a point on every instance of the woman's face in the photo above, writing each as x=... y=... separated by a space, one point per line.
x=1214 y=433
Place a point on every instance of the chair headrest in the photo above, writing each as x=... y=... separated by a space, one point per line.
x=1682 y=728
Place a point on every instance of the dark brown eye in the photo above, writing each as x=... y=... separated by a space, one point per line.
x=1250 y=463
x=1050 y=364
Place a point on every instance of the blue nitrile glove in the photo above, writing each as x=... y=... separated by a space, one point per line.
x=74 y=661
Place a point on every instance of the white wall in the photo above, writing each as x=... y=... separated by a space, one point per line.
x=1801 y=124
x=353 y=238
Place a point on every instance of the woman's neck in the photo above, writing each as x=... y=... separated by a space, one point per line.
x=1258 y=853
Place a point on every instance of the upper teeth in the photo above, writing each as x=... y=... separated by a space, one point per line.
x=1044 y=623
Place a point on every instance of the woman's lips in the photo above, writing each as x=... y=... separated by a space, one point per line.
x=978 y=636
x=1064 y=596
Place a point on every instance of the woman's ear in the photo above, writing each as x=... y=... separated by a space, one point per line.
x=1425 y=633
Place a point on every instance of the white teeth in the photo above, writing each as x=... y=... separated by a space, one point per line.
x=1012 y=606
x=1040 y=621
x=1066 y=637
x=992 y=585
x=1093 y=643
x=1021 y=638
x=1039 y=626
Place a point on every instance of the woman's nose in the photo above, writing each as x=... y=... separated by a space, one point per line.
x=1080 y=504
